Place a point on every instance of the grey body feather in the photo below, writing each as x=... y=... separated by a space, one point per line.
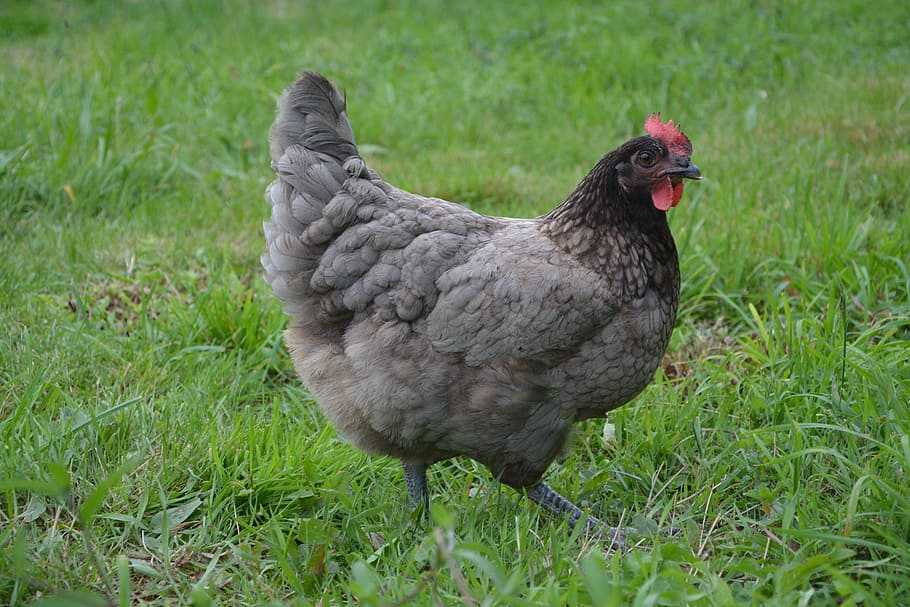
x=426 y=330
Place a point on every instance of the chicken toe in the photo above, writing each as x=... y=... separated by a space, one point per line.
x=555 y=504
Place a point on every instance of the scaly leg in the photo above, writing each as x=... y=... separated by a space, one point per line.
x=415 y=475
x=556 y=504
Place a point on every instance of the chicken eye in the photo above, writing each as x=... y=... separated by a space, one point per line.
x=646 y=159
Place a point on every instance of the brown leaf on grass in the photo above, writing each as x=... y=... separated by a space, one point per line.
x=377 y=540
x=708 y=339
x=316 y=562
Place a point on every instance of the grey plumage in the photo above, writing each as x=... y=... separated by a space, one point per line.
x=426 y=330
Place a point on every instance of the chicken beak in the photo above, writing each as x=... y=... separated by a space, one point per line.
x=689 y=171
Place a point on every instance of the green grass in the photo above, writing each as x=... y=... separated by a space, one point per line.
x=156 y=447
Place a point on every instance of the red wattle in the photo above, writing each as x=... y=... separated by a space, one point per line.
x=677 y=193
x=664 y=195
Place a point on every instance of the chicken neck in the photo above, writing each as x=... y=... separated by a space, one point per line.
x=607 y=229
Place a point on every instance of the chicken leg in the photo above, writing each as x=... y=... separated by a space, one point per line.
x=554 y=503
x=415 y=475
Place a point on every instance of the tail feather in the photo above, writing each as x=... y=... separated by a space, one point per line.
x=311 y=141
x=311 y=113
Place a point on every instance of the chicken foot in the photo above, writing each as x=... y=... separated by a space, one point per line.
x=555 y=504
x=415 y=475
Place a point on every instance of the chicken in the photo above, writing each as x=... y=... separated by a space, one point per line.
x=427 y=331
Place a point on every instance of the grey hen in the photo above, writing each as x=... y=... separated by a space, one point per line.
x=427 y=331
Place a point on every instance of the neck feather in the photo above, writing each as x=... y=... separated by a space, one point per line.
x=608 y=229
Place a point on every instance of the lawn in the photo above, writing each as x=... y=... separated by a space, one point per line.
x=155 y=446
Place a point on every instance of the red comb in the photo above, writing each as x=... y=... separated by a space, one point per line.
x=668 y=134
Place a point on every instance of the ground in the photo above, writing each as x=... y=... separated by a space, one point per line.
x=155 y=446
